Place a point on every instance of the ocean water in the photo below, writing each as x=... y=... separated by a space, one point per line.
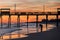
x=24 y=25
x=24 y=30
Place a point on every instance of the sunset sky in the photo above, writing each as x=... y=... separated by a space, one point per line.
x=31 y=5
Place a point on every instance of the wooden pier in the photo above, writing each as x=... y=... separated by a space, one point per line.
x=6 y=11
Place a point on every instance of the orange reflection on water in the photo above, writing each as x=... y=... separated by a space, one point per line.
x=13 y=36
x=22 y=33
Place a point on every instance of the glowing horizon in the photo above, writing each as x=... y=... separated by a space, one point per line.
x=24 y=18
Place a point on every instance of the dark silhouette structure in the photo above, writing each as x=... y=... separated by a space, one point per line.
x=58 y=10
x=5 y=11
x=22 y=13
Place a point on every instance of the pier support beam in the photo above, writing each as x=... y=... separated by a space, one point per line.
x=27 y=24
x=9 y=25
x=37 y=23
x=1 y=22
x=9 y=21
x=46 y=21
x=57 y=22
x=18 y=24
x=18 y=21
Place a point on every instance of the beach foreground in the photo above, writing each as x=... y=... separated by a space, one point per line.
x=53 y=34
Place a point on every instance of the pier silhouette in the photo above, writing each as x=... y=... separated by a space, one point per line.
x=6 y=11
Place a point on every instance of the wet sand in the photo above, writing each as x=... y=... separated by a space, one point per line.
x=52 y=34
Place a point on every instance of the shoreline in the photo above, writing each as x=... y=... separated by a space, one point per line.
x=31 y=30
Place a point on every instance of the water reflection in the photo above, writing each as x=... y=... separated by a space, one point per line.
x=13 y=36
x=22 y=33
